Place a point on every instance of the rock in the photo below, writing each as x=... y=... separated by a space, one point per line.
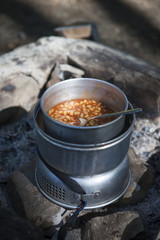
x=68 y=71
x=14 y=92
x=154 y=161
x=142 y=179
x=29 y=202
x=117 y=226
x=62 y=72
x=54 y=75
x=74 y=234
x=23 y=73
x=35 y=60
x=158 y=236
x=78 y=31
x=50 y=232
x=14 y=227
x=145 y=137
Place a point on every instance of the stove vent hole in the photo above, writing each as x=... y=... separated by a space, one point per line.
x=49 y=188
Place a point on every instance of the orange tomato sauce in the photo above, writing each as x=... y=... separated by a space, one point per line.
x=70 y=111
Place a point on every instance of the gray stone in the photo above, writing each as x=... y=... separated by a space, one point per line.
x=142 y=179
x=68 y=71
x=17 y=91
x=62 y=72
x=14 y=227
x=74 y=234
x=116 y=226
x=35 y=60
x=23 y=73
x=158 y=236
x=145 y=137
x=54 y=75
x=29 y=202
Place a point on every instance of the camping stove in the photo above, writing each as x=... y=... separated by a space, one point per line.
x=68 y=173
x=97 y=190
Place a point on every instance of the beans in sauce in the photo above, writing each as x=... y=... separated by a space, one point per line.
x=70 y=111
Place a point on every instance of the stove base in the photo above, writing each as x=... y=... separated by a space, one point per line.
x=100 y=190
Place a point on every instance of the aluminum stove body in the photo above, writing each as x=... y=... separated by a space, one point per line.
x=97 y=191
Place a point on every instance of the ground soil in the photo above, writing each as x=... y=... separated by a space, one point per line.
x=131 y=26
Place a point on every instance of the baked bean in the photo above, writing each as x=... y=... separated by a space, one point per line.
x=70 y=111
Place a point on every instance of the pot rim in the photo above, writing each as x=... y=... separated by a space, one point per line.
x=77 y=146
x=85 y=127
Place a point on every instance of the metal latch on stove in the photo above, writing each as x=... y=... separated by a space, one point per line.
x=86 y=196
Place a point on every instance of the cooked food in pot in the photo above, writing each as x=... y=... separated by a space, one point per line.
x=70 y=111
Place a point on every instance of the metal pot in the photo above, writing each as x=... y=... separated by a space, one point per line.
x=83 y=159
x=84 y=88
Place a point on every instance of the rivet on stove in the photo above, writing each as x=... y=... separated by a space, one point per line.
x=96 y=194
x=76 y=196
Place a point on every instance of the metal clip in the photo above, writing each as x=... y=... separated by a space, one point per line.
x=87 y=197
